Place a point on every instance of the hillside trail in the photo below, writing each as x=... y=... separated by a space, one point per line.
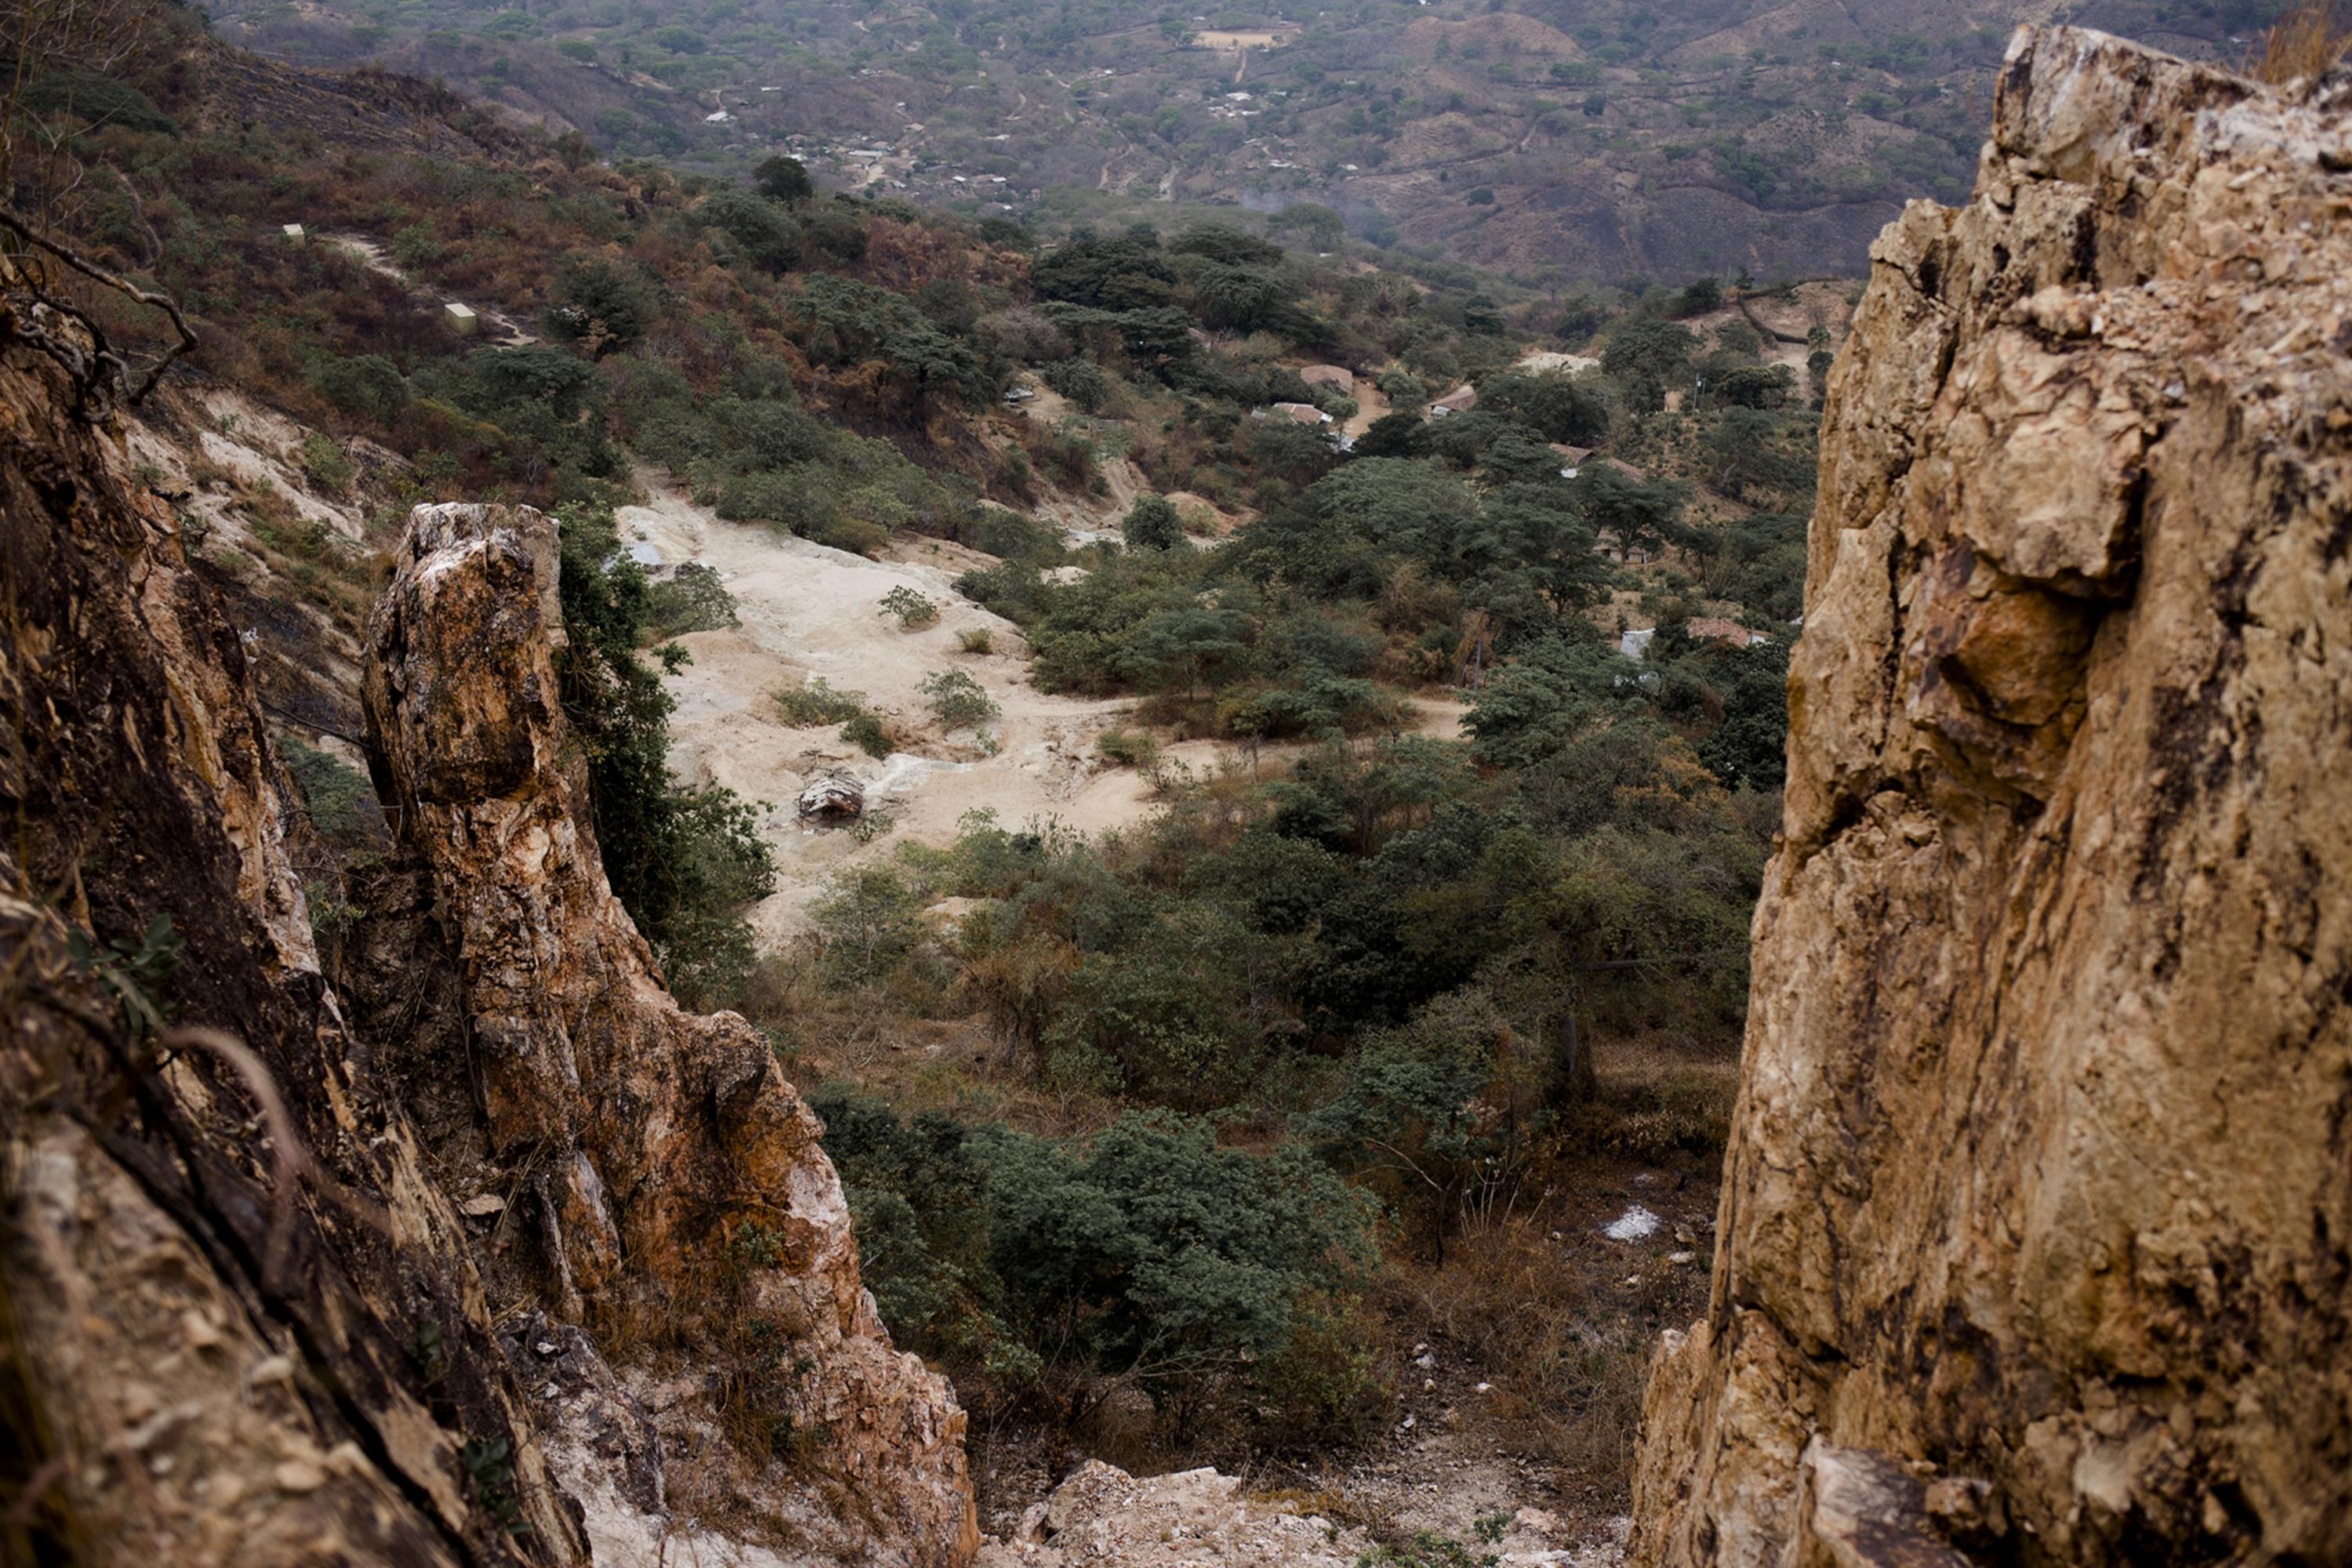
x=808 y=611
x=370 y=254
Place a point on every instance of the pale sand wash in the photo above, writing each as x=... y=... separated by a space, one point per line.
x=810 y=612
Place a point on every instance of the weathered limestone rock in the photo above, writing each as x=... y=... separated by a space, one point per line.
x=1102 y=1514
x=2039 y=1187
x=673 y=1159
x=238 y=1322
x=240 y=1319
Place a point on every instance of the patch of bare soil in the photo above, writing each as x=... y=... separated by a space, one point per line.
x=810 y=612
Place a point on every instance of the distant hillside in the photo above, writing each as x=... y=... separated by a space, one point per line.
x=1585 y=139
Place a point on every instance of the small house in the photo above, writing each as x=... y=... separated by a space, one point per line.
x=1461 y=400
x=461 y=318
x=293 y=234
x=1303 y=413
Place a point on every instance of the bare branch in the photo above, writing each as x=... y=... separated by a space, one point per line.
x=91 y=270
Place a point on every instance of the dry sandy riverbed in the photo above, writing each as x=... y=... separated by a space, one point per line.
x=812 y=611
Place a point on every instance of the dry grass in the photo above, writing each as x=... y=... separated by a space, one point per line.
x=1541 y=1306
x=2308 y=42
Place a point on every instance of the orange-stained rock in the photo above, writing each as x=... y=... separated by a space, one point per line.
x=2038 y=1190
x=670 y=1152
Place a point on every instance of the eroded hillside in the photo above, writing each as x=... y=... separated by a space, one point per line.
x=249 y=1256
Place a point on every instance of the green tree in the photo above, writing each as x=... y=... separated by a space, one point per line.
x=784 y=179
x=1647 y=354
x=682 y=861
x=1081 y=381
x=1156 y=1253
x=1752 y=386
x=602 y=304
x=1151 y=523
x=1698 y=297
x=767 y=234
x=365 y=384
x=1223 y=242
x=1564 y=408
x=870 y=921
x=959 y=701
x=1421 y=1118
x=1315 y=225
x=1119 y=274
x=1748 y=450
x=1183 y=645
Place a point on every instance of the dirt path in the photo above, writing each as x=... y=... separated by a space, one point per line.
x=1371 y=403
x=372 y=253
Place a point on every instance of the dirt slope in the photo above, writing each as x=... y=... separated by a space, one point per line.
x=810 y=612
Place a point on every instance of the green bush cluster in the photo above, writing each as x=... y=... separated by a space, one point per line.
x=1148 y=1251
x=683 y=861
x=691 y=599
x=913 y=609
x=958 y=701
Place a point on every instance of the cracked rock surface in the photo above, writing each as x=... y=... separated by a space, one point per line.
x=658 y=1140
x=2038 y=1190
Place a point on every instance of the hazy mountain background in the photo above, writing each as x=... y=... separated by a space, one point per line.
x=1592 y=140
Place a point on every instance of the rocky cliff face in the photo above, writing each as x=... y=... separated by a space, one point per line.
x=239 y=1321
x=2036 y=1240
x=675 y=1179
x=512 y=1261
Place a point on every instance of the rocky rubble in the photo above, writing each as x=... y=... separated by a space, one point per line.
x=1101 y=1515
x=2033 y=1241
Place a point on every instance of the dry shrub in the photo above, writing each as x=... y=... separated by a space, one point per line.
x=1658 y=1105
x=1565 y=1343
x=2307 y=42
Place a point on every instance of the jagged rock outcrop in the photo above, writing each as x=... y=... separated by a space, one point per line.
x=241 y=1319
x=2040 y=1194
x=678 y=1188
x=238 y=1323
